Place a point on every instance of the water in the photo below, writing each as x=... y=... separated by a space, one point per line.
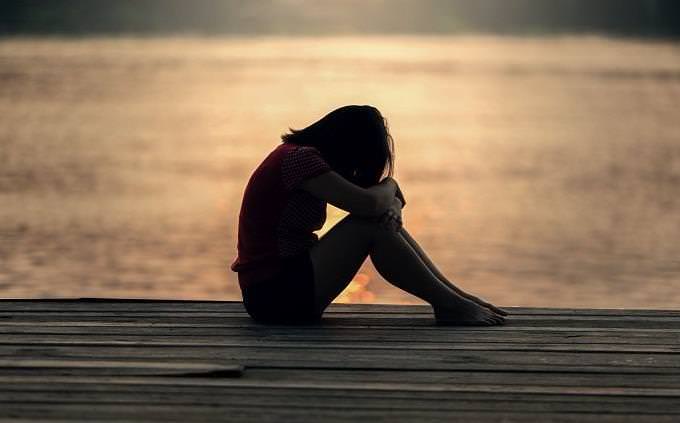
x=538 y=171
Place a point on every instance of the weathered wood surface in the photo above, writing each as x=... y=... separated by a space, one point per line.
x=202 y=361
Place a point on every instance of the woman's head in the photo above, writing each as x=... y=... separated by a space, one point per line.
x=354 y=140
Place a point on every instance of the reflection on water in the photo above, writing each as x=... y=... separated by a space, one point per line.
x=538 y=171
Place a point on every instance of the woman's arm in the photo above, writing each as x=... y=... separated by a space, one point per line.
x=341 y=193
x=400 y=196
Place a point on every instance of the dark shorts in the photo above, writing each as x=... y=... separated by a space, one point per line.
x=287 y=297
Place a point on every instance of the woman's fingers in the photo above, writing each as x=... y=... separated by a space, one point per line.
x=393 y=224
x=391 y=219
x=388 y=220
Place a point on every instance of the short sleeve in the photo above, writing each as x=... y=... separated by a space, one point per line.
x=302 y=163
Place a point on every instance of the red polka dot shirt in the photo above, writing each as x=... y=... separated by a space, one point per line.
x=277 y=219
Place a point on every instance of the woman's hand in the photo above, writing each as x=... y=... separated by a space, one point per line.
x=391 y=219
x=397 y=193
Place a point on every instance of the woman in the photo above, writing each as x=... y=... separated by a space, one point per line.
x=286 y=274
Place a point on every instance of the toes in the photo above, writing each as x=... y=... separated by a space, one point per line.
x=494 y=309
x=500 y=311
x=496 y=319
x=497 y=310
x=489 y=320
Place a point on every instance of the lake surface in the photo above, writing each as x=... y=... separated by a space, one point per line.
x=538 y=171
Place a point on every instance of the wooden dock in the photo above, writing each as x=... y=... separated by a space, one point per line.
x=203 y=361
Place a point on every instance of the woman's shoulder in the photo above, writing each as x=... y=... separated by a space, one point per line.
x=291 y=157
x=285 y=149
x=289 y=147
x=301 y=162
x=297 y=153
x=290 y=153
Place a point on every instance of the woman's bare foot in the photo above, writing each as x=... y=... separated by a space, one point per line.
x=477 y=300
x=467 y=313
x=487 y=305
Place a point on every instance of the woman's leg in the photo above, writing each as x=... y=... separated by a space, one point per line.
x=339 y=254
x=337 y=257
x=443 y=278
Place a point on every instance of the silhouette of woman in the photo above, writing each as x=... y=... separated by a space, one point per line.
x=287 y=274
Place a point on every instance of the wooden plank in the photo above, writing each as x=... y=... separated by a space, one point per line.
x=393 y=379
x=396 y=378
x=87 y=341
x=374 y=396
x=118 y=367
x=145 y=305
x=410 y=324
x=237 y=387
x=220 y=386
x=468 y=378
x=357 y=310
x=365 y=399
x=375 y=358
x=370 y=337
x=241 y=319
x=377 y=334
x=546 y=311
x=97 y=412
x=460 y=378
x=237 y=310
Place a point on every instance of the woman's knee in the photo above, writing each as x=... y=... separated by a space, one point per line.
x=371 y=226
x=363 y=223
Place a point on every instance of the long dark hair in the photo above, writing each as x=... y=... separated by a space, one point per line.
x=354 y=140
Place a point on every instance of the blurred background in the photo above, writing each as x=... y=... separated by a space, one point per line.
x=538 y=142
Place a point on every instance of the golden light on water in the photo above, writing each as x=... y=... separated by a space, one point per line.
x=357 y=291
x=538 y=171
